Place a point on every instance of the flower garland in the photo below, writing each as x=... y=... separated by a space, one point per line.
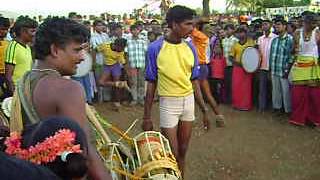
x=43 y=152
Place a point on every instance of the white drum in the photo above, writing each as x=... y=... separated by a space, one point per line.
x=84 y=67
x=250 y=59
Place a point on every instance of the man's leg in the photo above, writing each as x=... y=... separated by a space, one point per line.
x=276 y=93
x=206 y=89
x=263 y=80
x=141 y=86
x=87 y=87
x=228 y=84
x=286 y=95
x=184 y=134
x=134 y=86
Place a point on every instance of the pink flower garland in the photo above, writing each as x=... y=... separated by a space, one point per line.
x=43 y=152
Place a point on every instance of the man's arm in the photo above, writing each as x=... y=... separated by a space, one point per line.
x=9 y=68
x=147 y=121
x=72 y=105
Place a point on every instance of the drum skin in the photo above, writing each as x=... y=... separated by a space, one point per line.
x=250 y=60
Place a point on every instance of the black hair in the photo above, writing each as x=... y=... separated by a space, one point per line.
x=75 y=164
x=114 y=26
x=242 y=30
x=280 y=20
x=153 y=21
x=266 y=21
x=309 y=17
x=72 y=14
x=229 y=26
x=133 y=26
x=97 y=21
x=179 y=14
x=58 y=31
x=244 y=24
x=86 y=23
x=4 y=22
x=22 y=23
x=120 y=42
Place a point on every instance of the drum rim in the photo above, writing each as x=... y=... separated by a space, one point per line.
x=259 y=63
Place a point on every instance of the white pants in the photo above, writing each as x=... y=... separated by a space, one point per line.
x=175 y=109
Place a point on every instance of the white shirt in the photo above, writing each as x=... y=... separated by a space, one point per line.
x=96 y=40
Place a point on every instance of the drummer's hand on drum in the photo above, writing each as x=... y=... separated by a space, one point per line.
x=147 y=124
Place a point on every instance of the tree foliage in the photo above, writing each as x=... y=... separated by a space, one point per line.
x=256 y=5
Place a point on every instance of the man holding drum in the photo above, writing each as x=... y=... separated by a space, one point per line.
x=280 y=60
x=172 y=66
x=241 y=80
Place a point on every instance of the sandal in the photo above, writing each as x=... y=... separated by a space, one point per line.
x=220 y=121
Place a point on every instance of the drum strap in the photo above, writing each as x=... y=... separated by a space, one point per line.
x=23 y=111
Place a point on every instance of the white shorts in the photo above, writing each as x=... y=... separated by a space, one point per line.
x=175 y=109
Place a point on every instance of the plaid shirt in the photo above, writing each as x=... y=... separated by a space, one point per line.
x=281 y=54
x=136 y=49
x=227 y=43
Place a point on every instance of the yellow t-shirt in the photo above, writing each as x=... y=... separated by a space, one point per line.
x=20 y=56
x=3 y=47
x=237 y=49
x=111 y=57
x=175 y=64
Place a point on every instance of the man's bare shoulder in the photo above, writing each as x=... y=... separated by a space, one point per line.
x=60 y=86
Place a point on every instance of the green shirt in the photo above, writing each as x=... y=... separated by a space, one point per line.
x=281 y=54
x=20 y=56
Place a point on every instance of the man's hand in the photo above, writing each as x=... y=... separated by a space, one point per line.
x=147 y=124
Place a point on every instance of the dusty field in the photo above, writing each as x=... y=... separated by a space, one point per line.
x=253 y=146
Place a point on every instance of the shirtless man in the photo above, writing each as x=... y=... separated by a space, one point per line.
x=59 y=46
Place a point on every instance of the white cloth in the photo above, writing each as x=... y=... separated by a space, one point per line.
x=96 y=40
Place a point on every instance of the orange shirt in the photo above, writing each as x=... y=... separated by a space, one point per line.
x=201 y=42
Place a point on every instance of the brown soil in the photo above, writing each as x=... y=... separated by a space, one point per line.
x=253 y=146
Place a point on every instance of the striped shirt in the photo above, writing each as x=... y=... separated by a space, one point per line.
x=264 y=43
x=96 y=40
x=281 y=54
x=136 y=49
x=227 y=44
x=20 y=56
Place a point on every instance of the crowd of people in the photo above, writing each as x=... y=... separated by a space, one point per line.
x=180 y=61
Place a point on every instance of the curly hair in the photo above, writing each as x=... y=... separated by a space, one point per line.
x=179 y=14
x=4 y=22
x=58 y=31
x=23 y=22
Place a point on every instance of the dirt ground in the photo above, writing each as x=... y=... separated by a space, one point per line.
x=253 y=146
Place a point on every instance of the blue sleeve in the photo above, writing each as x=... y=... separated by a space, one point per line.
x=151 y=73
x=196 y=68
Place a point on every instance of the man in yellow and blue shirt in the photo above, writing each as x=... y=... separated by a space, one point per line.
x=172 y=66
